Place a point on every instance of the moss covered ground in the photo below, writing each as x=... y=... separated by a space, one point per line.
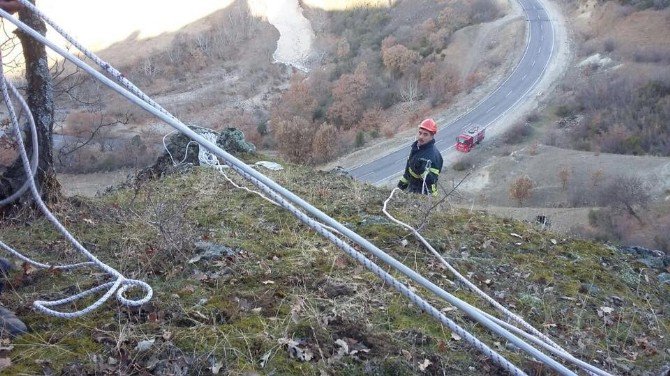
x=283 y=300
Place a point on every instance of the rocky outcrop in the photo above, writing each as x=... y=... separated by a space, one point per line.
x=181 y=152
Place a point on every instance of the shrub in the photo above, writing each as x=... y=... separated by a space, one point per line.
x=521 y=189
x=294 y=139
x=517 y=134
x=533 y=117
x=360 y=139
x=463 y=164
x=324 y=147
x=564 y=111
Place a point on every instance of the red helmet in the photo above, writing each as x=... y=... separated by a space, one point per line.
x=429 y=125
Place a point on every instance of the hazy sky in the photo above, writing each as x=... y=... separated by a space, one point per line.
x=98 y=24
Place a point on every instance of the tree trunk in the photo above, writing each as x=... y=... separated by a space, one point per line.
x=40 y=100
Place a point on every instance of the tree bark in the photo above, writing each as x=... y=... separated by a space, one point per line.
x=41 y=102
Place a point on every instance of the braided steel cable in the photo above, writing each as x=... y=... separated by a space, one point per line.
x=385 y=276
x=259 y=178
x=550 y=345
x=243 y=168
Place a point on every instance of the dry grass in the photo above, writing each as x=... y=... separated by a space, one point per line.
x=285 y=291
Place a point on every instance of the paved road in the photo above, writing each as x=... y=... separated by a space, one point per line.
x=537 y=54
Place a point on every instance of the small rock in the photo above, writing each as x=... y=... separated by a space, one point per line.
x=212 y=251
x=589 y=288
x=10 y=324
x=269 y=165
x=232 y=140
x=617 y=300
x=340 y=171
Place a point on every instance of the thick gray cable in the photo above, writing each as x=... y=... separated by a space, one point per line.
x=544 y=340
x=464 y=280
x=496 y=357
x=243 y=168
x=35 y=152
x=590 y=369
x=119 y=286
x=385 y=276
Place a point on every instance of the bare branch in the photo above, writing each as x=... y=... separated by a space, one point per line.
x=444 y=197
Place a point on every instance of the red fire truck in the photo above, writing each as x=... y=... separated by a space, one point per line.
x=470 y=137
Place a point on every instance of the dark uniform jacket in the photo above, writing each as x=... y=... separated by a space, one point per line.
x=419 y=158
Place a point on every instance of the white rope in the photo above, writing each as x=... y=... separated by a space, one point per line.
x=119 y=286
x=275 y=190
x=170 y=154
x=546 y=342
x=35 y=152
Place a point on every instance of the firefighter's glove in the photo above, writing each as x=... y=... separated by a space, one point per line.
x=402 y=185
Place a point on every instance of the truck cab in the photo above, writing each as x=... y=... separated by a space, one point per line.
x=469 y=138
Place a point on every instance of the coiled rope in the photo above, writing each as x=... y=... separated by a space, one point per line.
x=287 y=199
x=119 y=286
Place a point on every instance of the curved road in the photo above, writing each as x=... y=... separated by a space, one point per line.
x=530 y=69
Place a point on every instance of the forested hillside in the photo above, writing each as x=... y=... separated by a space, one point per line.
x=617 y=100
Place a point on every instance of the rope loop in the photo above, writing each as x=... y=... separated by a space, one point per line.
x=119 y=287
x=130 y=284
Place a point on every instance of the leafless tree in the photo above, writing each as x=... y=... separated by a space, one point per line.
x=409 y=91
x=521 y=189
x=40 y=99
x=627 y=194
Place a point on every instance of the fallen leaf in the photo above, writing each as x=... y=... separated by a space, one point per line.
x=516 y=235
x=602 y=311
x=189 y=289
x=424 y=365
x=153 y=317
x=144 y=345
x=344 y=347
x=407 y=355
x=5 y=363
x=455 y=336
x=265 y=358
x=268 y=282
x=216 y=367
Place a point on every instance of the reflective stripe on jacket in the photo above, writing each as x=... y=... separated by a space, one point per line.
x=419 y=158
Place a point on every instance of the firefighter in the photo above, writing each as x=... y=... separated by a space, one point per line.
x=424 y=163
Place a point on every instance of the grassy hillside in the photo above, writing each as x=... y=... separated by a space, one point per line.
x=282 y=300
